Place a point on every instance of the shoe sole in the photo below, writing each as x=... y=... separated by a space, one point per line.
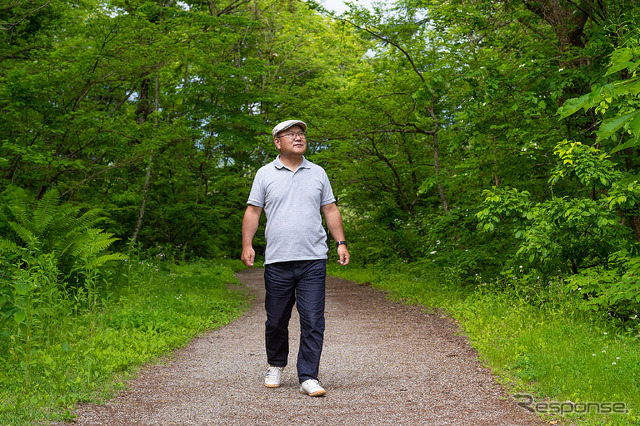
x=272 y=386
x=316 y=393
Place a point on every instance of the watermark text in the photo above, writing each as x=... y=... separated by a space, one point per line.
x=561 y=408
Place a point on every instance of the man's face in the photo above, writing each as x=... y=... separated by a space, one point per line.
x=291 y=141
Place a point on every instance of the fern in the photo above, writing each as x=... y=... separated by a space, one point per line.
x=26 y=235
x=45 y=211
x=7 y=246
x=47 y=226
x=16 y=206
x=97 y=262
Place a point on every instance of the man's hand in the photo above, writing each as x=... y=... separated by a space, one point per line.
x=334 y=222
x=248 y=256
x=343 y=255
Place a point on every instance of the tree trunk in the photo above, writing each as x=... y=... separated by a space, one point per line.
x=436 y=163
x=567 y=21
x=635 y=225
x=147 y=179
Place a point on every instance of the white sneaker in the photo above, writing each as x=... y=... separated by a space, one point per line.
x=311 y=387
x=273 y=377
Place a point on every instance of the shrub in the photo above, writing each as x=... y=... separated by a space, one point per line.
x=46 y=226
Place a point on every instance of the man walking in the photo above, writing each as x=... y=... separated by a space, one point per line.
x=293 y=193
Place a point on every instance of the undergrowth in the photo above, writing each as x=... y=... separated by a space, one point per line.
x=86 y=355
x=572 y=364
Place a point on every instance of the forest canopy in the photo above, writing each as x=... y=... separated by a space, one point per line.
x=496 y=139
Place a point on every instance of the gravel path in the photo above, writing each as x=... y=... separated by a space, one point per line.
x=383 y=363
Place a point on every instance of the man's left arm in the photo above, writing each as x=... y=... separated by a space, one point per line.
x=334 y=222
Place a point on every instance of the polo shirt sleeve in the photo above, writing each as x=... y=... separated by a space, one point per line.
x=256 y=196
x=327 y=192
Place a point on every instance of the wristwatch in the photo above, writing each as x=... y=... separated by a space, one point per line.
x=338 y=243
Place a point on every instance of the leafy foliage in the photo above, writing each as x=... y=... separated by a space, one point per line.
x=614 y=289
x=615 y=99
x=57 y=356
x=581 y=238
x=46 y=227
x=51 y=257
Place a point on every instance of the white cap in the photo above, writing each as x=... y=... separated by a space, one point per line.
x=286 y=124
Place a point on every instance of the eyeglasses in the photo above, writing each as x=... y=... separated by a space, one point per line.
x=293 y=135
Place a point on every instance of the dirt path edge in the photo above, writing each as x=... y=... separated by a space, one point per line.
x=383 y=362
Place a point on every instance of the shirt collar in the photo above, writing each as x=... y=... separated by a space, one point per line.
x=278 y=164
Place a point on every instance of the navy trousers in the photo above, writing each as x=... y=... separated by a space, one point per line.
x=301 y=283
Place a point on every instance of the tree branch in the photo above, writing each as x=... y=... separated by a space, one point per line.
x=12 y=26
x=397 y=46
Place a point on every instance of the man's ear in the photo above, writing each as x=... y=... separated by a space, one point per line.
x=276 y=141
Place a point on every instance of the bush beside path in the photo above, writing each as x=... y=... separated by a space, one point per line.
x=383 y=363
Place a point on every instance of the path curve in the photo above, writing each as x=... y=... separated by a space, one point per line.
x=384 y=363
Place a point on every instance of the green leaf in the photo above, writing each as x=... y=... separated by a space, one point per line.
x=426 y=185
x=612 y=125
x=632 y=86
x=634 y=126
x=571 y=106
x=21 y=287
x=620 y=66
x=628 y=144
x=20 y=315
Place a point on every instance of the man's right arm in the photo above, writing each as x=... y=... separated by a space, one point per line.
x=250 y=225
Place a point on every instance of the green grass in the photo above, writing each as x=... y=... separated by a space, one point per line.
x=150 y=310
x=550 y=350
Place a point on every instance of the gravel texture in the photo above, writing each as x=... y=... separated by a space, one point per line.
x=383 y=363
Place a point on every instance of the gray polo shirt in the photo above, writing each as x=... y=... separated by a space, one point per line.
x=291 y=202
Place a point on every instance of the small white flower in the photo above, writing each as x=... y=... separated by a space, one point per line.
x=613 y=363
x=434 y=252
x=604 y=333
